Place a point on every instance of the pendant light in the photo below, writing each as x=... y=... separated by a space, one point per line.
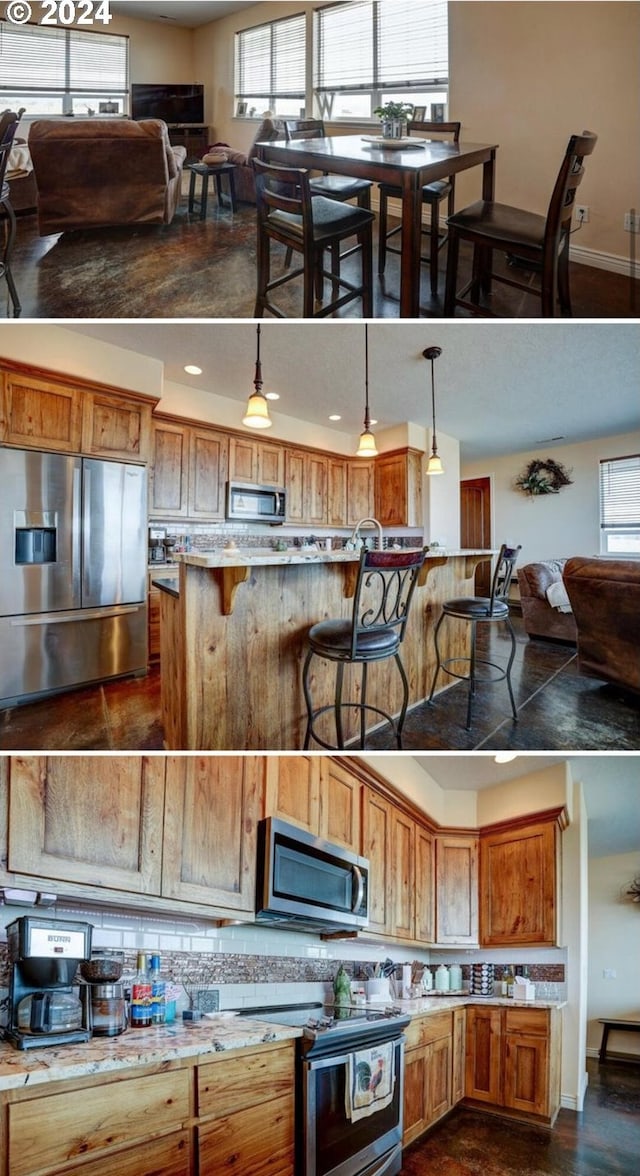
x=367 y=443
x=434 y=465
x=257 y=414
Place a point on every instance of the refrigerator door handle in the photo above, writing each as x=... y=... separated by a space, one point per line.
x=93 y=614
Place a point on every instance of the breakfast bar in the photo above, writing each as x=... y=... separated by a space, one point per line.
x=233 y=642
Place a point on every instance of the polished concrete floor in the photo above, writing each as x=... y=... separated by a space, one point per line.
x=604 y=1140
x=207 y=269
x=559 y=710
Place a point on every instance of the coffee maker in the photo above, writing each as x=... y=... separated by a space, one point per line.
x=44 y=1004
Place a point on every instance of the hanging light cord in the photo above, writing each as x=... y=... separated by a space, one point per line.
x=434 y=446
x=367 y=422
x=257 y=383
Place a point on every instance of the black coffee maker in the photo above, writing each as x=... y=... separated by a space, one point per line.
x=45 y=1007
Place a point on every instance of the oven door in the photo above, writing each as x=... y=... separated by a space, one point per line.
x=334 y=1145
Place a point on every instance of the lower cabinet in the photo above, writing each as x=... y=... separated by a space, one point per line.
x=513 y=1059
x=427 y=1073
x=458 y=1055
x=246 y=1114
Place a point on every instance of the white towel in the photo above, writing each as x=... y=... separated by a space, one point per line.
x=557 y=597
x=19 y=161
x=370 y=1080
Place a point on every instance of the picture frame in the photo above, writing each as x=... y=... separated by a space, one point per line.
x=437 y=111
x=241 y=110
x=419 y=114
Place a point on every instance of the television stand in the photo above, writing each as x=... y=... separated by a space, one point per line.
x=193 y=136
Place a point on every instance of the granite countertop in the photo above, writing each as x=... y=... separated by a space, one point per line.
x=259 y=556
x=437 y=1004
x=136 y=1047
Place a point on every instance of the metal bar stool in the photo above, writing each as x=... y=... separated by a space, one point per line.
x=476 y=610
x=374 y=632
x=9 y=120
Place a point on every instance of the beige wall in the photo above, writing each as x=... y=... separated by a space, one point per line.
x=525 y=75
x=555 y=525
x=614 y=935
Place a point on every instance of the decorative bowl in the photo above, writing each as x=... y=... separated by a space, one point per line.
x=214 y=157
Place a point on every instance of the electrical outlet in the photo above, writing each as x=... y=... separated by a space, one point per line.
x=582 y=213
x=632 y=222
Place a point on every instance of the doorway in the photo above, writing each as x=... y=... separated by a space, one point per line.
x=475 y=525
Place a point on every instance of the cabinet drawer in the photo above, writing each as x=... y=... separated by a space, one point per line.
x=530 y=1021
x=255 y=1142
x=423 y=1030
x=246 y=1081
x=168 y=1156
x=46 y=1132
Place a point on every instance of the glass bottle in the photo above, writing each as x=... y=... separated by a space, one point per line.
x=141 y=995
x=158 y=992
x=504 y=983
x=510 y=982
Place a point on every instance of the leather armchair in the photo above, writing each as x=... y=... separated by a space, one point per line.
x=96 y=172
x=539 y=617
x=605 y=597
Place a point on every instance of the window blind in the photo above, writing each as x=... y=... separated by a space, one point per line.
x=34 y=58
x=270 y=59
x=620 y=493
x=381 y=44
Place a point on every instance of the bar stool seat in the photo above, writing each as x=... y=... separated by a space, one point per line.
x=374 y=632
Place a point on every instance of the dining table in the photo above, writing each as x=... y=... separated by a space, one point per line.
x=409 y=166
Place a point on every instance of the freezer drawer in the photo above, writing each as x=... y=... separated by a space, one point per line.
x=53 y=651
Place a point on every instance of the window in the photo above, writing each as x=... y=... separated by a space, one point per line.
x=270 y=68
x=63 y=71
x=369 y=52
x=620 y=506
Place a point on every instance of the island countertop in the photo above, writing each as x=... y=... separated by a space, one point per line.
x=240 y=557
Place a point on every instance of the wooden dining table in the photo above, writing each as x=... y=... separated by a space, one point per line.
x=408 y=168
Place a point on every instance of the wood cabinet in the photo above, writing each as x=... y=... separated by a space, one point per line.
x=306 y=481
x=318 y=794
x=208 y=458
x=428 y=1073
x=526 y=1060
x=456 y=889
x=153 y=607
x=376 y=841
x=336 y=492
x=260 y=462
x=398 y=482
x=360 y=501
x=484 y=1054
x=189 y=472
x=40 y=413
x=519 y=870
x=425 y=882
x=402 y=875
x=116 y=426
x=458 y=1055
x=514 y=1058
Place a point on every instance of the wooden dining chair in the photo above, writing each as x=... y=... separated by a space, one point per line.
x=433 y=196
x=540 y=241
x=9 y=120
x=335 y=187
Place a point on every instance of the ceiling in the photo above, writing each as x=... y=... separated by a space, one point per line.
x=611 y=789
x=500 y=388
x=182 y=12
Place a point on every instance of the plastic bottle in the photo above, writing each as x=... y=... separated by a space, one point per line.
x=504 y=983
x=141 y=995
x=158 y=992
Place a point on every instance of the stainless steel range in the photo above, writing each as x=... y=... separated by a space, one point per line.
x=350 y=1088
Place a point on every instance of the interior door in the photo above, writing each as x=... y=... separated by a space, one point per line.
x=475 y=525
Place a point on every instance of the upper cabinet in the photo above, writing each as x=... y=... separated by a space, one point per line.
x=376 y=843
x=306 y=481
x=116 y=426
x=259 y=462
x=519 y=892
x=360 y=502
x=316 y=793
x=208 y=457
x=188 y=472
x=456 y=889
x=398 y=488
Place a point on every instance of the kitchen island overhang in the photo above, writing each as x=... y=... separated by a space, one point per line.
x=233 y=642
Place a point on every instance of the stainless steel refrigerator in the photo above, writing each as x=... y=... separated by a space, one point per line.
x=73 y=576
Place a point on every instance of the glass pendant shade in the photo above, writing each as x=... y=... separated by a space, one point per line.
x=434 y=465
x=367 y=443
x=257 y=414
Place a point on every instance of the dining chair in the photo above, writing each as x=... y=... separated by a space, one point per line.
x=288 y=213
x=9 y=120
x=433 y=196
x=477 y=610
x=374 y=632
x=540 y=241
x=335 y=187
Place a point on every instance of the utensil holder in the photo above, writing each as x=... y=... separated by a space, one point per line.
x=378 y=990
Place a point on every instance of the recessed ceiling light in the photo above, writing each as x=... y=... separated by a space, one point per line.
x=272 y=395
x=192 y=370
x=335 y=416
x=505 y=757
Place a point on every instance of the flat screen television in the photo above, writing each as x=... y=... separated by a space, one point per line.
x=173 y=104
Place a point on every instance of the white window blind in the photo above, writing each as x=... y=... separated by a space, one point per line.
x=620 y=504
x=270 y=60
x=381 y=45
x=38 y=60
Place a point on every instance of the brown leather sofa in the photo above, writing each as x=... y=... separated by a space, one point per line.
x=605 y=597
x=244 y=175
x=539 y=617
x=96 y=172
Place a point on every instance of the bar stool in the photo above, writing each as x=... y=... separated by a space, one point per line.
x=374 y=632
x=477 y=610
x=9 y=120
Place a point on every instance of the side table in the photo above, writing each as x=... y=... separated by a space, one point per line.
x=216 y=171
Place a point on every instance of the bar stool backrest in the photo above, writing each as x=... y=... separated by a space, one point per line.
x=503 y=575
x=385 y=585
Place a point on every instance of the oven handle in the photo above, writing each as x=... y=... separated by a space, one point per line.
x=360 y=891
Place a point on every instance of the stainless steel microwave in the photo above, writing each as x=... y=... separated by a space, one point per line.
x=306 y=883
x=255 y=504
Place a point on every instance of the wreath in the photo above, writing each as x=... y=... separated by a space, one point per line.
x=543 y=477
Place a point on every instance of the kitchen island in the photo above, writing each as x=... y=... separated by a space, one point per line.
x=233 y=642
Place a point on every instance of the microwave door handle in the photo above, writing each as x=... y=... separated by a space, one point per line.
x=360 y=890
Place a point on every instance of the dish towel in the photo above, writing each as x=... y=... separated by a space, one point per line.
x=557 y=597
x=370 y=1080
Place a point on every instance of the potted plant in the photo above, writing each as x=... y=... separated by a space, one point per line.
x=393 y=116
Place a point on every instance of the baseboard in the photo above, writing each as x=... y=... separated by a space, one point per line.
x=605 y=261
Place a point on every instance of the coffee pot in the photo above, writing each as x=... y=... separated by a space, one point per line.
x=45 y=1007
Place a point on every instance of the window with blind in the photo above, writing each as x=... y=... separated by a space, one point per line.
x=270 y=68
x=63 y=70
x=620 y=506
x=369 y=52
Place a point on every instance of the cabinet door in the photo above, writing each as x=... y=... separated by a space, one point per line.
x=169 y=471
x=359 y=491
x=255 y=1142
x=483 y=1061
x=213 y=804
x=208 y=463
x=316 y=470
x=293 y=790
x=456 y=889
x=243 y=459
x=376 y=845
x=526 y=1069
x=398 y=489
x=113 y=426
x=439 y=1062
x=416 y=1095
x=337 y=492
x=40 y=414
x=339 y=804
x=270 y=464
x=458 y=1055
x=425 y=886
x=402 y=878
x=96 y=820
x=518 y=870
x=294 y=465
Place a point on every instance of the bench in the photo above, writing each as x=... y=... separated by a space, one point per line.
x=622 y=1026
